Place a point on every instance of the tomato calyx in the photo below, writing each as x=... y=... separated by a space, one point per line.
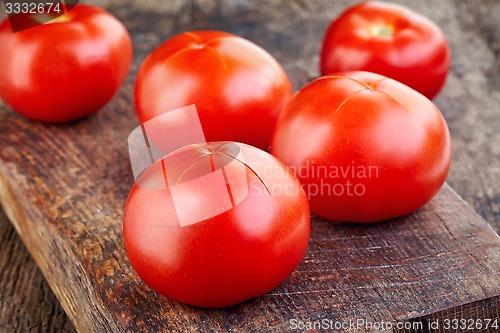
x=383 y=30
x=47 y=19
x=236 y=159
x=60 y=19
x=200 y=160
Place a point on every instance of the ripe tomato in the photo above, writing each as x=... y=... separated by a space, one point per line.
x=366 y=147
x=64 y=69
x=238 y=87
x=391 y=40
x=231 y=224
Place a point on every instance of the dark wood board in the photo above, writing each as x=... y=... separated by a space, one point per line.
x=27 y=304
x=68 y=210
x=64 y=189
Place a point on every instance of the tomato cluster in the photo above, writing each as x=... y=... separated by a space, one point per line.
x=215 y=222
x=391 y=40
x=208 y=242
x=238 y=88
x=65 y=69
x=372 y=148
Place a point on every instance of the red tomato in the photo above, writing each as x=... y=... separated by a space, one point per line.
x=238 y=87
x=64 y=69
x=231 y=224
x=366 y=147
x=391 y=40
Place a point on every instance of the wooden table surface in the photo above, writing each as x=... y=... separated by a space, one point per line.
x=292 y=32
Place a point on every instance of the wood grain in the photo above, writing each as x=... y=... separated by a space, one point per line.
x=64 y=189
x=27 y=304
x=438 y=258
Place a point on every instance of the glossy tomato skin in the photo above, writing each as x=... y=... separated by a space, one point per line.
x=222 y=260
x=391 y=40
x=365 y=147
x=238 y=87
x=64 y=69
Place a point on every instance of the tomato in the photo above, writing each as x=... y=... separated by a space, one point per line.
x=231 y=224
x=366 y=147
x=65 y=69
x=391 y=40
x=238 y=88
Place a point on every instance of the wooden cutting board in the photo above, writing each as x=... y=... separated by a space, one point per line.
x=64 y=189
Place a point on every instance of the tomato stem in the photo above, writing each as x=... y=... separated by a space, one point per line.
x=382 y=30
x=44 y=18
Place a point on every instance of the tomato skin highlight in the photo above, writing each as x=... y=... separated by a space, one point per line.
x=64 y=69
x=391 y=40
x=223 y=260
x=238 y=88
x=366 y=148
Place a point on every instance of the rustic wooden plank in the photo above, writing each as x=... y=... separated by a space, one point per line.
x=440 y=257
x=27 y=304
x=470 y=100
x=68 y=184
